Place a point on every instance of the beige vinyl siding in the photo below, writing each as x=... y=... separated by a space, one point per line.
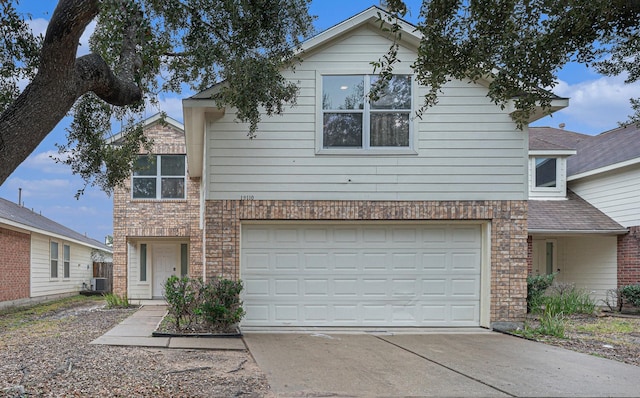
x=589 y=262
x=80 y=267
x=615 y=193
x=138 y=289
x=465 y=148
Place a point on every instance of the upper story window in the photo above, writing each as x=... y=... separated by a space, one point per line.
x=350 y=121
x=546 y=172
x=159 y=177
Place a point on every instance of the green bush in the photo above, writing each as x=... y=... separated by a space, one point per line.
x=216 y=303
x=182 y=296
x=221 y=306
x=631 y=293
x=536 y=286
x=115 y=301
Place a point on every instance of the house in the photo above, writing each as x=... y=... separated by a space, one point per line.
x=341 y=212
x=591 y=239
x=157 y=217
x=41 y=259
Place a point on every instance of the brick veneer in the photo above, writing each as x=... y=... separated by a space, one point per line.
x=629 y=257
x=150 y=219
x=508 y=235
x=15 y=254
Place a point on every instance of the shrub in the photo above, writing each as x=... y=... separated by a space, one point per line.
x=182 y=296
x=115 y=301
x=536 y=286
x=216 y=303
x=221 y=306
x=567 y=300
x=631 y=294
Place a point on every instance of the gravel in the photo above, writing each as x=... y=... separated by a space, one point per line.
x=50 y=355
x=610 y=336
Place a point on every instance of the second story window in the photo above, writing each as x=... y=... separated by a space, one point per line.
x=350 y=121
x=546 y=172
x=159 y=177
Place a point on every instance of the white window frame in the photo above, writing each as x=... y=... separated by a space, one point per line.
x=366 y=148
x=557 y=192
x=52 y=259
x=66 y=261
x=158 y=176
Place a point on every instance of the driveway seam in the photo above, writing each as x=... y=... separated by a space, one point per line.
x=444 y=366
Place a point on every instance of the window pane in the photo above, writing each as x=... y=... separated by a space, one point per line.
x=66 y=256
x=172 y=188
x=172 y=165
x=54 y=250
x=342 y=130
x=145 y=166
x=396 y=95
x=143 y=262
x=390 y=129
x=546 y=172
x=54 y=259
x=342 y=92
x=184 y=260
x=144 y=188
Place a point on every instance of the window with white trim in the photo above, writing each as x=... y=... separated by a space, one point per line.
x=351 y=121
x=53 y=257
x=546 y=172
x=66 y=261
x=143 y=262
x=159 y=177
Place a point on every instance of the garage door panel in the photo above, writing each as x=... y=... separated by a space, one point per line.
x=361 y=275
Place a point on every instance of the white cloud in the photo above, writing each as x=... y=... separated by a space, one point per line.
x=38 y=26
x=44 y=163
x=83 y=48
x=598 y=104
x=43 y=189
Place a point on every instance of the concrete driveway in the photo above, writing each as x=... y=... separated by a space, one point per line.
x=433 y=365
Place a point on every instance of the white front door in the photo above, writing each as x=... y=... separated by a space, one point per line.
x=165 y=264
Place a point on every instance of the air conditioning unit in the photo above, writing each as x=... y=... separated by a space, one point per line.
x=99 y=284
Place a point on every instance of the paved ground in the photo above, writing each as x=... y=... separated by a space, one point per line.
x=434 y=365
x=137 y=329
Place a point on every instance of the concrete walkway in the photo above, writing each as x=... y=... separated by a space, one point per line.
x=137 y=329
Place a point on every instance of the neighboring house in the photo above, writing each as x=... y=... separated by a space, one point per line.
x=341 y=212
x=41 y=259
x=592 y=239
x=156 y=217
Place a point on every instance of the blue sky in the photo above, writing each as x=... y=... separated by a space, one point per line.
x=597 y=103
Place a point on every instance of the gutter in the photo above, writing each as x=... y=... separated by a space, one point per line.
x=578 y=231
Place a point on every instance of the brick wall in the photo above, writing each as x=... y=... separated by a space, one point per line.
x=157 y=218
x=629 y=257
x=15 y=255
x=508 y=235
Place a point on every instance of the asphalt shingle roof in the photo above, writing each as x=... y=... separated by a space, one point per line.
x=611 y=147
x=21 y=215
x=572 y=215
x=593 y=152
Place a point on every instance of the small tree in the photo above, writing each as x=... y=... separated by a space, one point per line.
x=183 y=297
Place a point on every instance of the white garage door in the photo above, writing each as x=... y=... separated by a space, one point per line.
x=361 y=275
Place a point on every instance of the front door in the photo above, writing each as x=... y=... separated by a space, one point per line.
x=165 y=264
